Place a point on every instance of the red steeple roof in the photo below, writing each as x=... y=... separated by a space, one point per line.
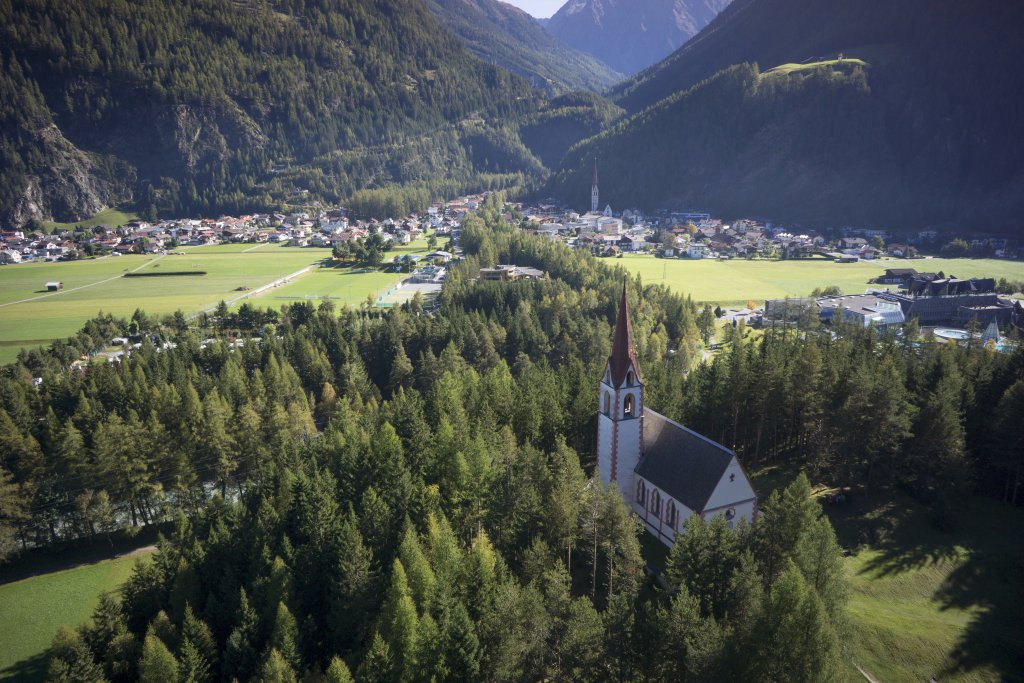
x=623 y=358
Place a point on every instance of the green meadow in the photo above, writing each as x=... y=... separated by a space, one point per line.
x=33 y=609
x=736 y=281
x=111 y=218
x=29 y=316
x=927 y=604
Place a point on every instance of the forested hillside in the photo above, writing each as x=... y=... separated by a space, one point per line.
x=501 y=34
x=407 y=498
x=911 y=128
x=217 y=105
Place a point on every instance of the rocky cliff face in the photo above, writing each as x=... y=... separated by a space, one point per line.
x=630 y=35
x=72 y=185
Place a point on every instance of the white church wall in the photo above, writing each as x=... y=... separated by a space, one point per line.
x=656 y=521
x=733 y=513
x=605 y=428
x=628 y=457
x=733 y=488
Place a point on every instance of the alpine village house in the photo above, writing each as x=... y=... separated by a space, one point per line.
x=665 y=471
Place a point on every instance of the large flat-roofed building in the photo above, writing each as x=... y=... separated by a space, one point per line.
x=867 y=310
x=511 y=273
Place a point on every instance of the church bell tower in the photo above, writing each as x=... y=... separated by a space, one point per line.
x=594 y=195
x=621 y=409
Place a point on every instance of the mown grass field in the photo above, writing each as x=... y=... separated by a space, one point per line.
x=29 y=316
x=31 y=611
x=345 y=285
x=734 y=282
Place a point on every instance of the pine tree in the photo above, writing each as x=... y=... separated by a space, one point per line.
x=782 y=520
x=275 y=669
x=460 y=646
x=702 y=561
x=351 y=586
x=420 y=575
x=71 y=661
x=378 y=666
x=14 y=511
x=240 y=658
x=284 y=636
x=157 y=664
x=399 y=621
x=938 y=448
x=337 y=672
x=820 y=560
x=197 y=634
x=796 y=641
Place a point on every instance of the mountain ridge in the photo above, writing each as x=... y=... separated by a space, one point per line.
x=910 y=139
x=502 y=34
x=220 y=105
x=630 y=35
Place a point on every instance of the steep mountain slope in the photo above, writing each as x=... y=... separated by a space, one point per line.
x=501 y=34
x=214 y=105
x=924 y=129
x=630 y=35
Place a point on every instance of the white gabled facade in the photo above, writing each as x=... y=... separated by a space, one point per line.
x=676 y=459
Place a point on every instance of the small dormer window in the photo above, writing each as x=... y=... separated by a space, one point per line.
x=627 y=406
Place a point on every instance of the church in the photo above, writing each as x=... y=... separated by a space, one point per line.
x=665 y=471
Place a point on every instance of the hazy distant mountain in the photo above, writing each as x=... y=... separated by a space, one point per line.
x=509 y=37
x=918 y=123
x=630 y=35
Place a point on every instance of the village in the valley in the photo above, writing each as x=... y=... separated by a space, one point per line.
x=954 y=308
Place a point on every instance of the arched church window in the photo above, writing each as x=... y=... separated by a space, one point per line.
x=656 y=503
x=641 y=493
x=671 y=514
x=607 y=403
x=629 y=378
x=730 y=514
x=627 y=406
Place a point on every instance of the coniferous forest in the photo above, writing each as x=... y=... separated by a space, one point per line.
x=395 y=496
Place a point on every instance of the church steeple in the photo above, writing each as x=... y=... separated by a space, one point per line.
x=620 y=440
x=623 y=358
x=594 y=195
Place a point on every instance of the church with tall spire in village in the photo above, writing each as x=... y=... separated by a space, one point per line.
x=665 y=471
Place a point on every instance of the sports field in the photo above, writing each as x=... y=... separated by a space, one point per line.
x=343 y=286
x=32 y=610
x=30 y=316
x=734 y=282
